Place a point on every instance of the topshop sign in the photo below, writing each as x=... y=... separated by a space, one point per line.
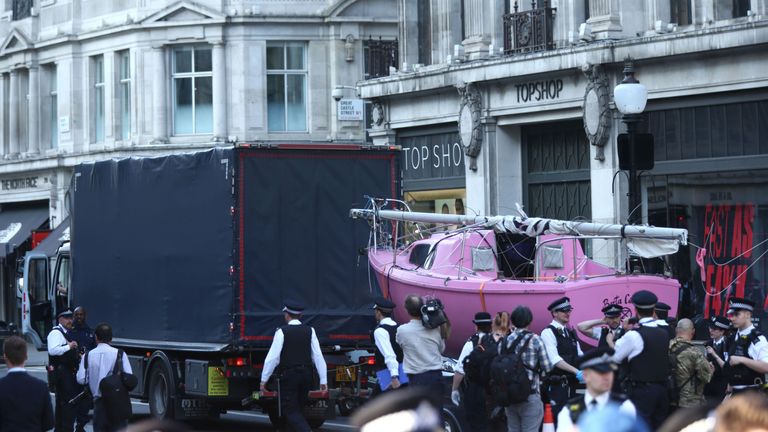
x=432 y=158
x=436 y=156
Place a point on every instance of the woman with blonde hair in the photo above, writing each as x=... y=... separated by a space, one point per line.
x=500 y=328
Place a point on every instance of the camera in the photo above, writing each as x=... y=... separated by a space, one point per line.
x=432 y=314
x=337 y=94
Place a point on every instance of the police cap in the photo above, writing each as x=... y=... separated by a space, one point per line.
x=644 y=299
x=383 y=304
x=293 y=308
x=661 y=306
x=563 y=304
x=612 y=310
x=719 y=322
x=482 y=318
x=737 y=304
x=599 y=359
x=66 y=313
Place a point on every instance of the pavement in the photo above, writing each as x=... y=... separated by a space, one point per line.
x=35 y=357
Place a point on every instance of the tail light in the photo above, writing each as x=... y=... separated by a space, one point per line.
x=371 y=361
x=237 y=361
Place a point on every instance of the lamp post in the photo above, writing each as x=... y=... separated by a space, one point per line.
x=630 y=97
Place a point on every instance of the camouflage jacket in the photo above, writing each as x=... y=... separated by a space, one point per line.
x=692 y=372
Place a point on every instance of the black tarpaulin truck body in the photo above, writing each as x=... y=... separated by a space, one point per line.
x=200 y=251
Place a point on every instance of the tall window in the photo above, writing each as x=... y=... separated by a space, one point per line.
x=287 y=87
x=97 y=81
x=124 y=94
x=53 y=93
x=741 y=8
x=680 y=12
x=424 y=27
x=192 y=91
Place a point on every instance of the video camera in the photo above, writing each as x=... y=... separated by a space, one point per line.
x=432 y=313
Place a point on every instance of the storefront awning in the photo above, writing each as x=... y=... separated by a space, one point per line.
x=16 y=226
x=50 y=245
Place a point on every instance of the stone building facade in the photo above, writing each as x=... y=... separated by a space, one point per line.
x=503 y=102
x=83 y=80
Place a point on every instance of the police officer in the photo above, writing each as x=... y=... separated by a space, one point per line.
x=63 y=359
x=598 y=368
x=599 y=329
x=294 y=349
x=663 y=320
x=562 y=349
x=747 y=359
x=388 y=354
x=474 y=392
x=86 y=341
x=716 y=349
x=647 y=349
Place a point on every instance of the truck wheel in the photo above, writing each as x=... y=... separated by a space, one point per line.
x=160 y=388
x=346 y=406
x=277 y=421
x=315 y=423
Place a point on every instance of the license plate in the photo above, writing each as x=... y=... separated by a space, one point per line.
x=344 y=373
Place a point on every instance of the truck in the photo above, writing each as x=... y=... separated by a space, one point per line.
x=190 y=258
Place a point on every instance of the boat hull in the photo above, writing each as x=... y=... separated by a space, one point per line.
x=463 y=296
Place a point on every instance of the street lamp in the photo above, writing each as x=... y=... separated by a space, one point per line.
x=635 y=150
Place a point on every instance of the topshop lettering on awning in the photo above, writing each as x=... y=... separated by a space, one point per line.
x=431 y=159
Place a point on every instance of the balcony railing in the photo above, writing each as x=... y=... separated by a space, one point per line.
x=22 y=9
x=379 y=56
x=529 y=30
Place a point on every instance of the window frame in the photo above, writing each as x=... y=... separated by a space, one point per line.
x=51 y=73
x=98 y=94
x=123 y=83
x=193 y=75
x=285 y=72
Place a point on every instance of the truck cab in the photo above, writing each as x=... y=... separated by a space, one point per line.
x=43 y=289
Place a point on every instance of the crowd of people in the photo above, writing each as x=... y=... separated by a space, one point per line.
x=646 y=368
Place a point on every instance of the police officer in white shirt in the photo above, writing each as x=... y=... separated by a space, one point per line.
x=647 y=349
x=598 y=368
x=63 y=360
x=388 y=354
x=101 y=363
x=747 y=361
x=598 y=329
x=295 y=348
x=562 y=349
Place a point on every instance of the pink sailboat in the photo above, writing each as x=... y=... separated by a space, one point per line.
x=495 y=263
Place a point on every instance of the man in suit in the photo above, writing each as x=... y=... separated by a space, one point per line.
x=25 y=404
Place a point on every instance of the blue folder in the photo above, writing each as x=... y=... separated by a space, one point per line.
x=385 y=378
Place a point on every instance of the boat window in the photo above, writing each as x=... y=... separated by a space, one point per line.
x=419 y=254
x=515 y=255
x=552 y=257
x=482 y=259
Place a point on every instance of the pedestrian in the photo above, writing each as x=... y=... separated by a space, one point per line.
x=422 y=348
x=387 y=353
x=562 y=349
x=527 y=416
x=86 y=341
x=716 y=349
x=63 y=359
x=598 y=368
x=691 y=370
x=747 y=354
x=25 y=404
x=295 y=348
x=473 y=387
x=747 y=412
x=101 y=362
x=598 y=329
x=647 y=349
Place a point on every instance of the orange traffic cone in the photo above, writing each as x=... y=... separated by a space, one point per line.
x=549 y=422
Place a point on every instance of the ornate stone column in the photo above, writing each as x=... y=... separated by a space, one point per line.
x=219 y=92
x=604 y=19
x=159 y=97
x=3 y=124
x=13 y=115
x=34 y=110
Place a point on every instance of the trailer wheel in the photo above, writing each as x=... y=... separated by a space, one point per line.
x=160 y=388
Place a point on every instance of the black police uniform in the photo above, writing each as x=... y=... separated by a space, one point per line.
x=379 y=363
x=475 y=403
x=561 y=385
x=741 y=375
x=648 y=374
x=295 y=372
x=64 y=370
x=603 y=342
x=715 y=389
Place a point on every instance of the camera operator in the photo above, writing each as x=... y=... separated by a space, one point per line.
x=422 y=347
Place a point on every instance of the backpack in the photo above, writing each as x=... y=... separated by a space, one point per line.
x=673 y=389
x=477 y=365
x=114 y=390
x=509 y=382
